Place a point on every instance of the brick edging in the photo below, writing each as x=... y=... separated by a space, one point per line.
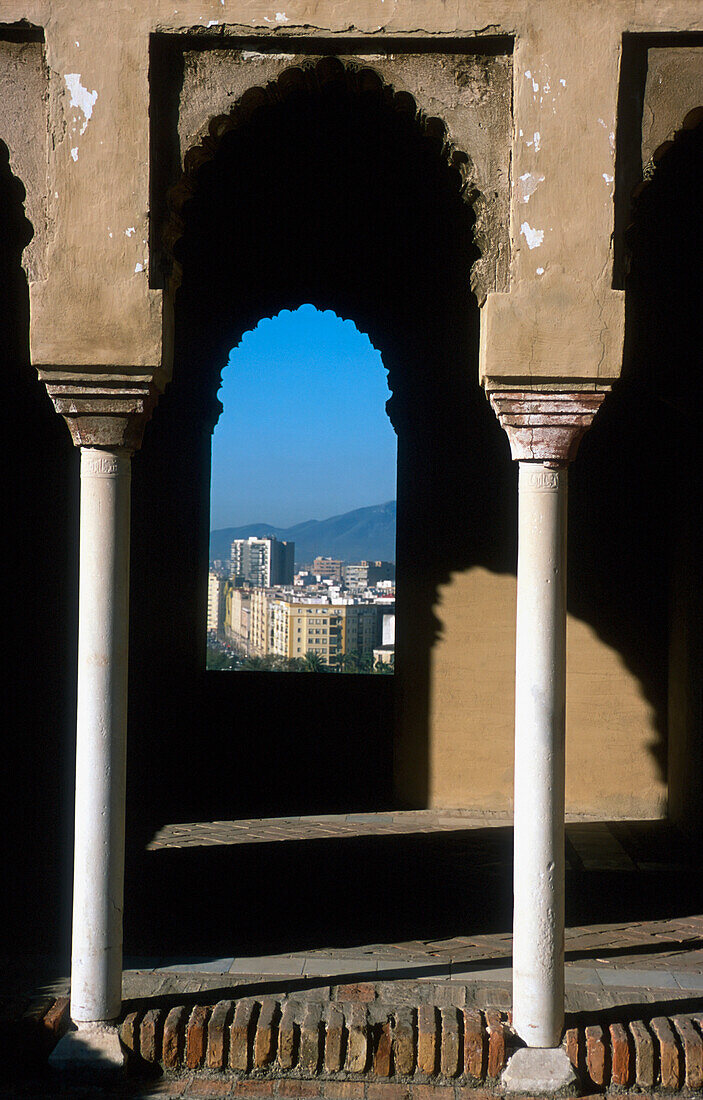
x=357 y=1042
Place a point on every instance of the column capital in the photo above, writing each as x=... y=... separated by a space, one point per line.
x=103 y=406
x=543 y=426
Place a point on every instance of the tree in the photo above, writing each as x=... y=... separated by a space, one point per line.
x=312 y=662
x=218 y=660
x=383 y=668
x=355 y=662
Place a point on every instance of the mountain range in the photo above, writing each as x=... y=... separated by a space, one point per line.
x=365 y=533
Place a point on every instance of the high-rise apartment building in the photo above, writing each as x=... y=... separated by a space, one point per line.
x=262 y=562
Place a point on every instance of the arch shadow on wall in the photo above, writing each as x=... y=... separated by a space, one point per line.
x=635 y=533
x=330 y=194
x=664 y=337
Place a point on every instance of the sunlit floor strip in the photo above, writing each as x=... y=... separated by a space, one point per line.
x=322 y=826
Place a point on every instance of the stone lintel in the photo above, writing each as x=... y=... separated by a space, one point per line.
x=103 y=407
x=545 y=427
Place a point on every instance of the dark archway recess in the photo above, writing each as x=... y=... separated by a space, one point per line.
x=635 y=526
x=663 y=358
x=40 y=564
x=332 y=190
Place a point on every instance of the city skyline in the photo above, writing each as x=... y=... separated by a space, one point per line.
x=304 y=433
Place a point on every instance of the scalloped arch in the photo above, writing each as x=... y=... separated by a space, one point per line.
x=692 y=121
x=311 y=77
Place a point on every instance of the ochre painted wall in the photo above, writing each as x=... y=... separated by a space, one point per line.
x=610 y=769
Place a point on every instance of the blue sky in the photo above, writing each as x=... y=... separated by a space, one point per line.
x=304 y=433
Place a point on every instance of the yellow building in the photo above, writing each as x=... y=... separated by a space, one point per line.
x=259 y=627
x=298 y=627
x=237 y=616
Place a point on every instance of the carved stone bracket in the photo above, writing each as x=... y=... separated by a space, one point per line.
x=545 y=427
x=103 y=406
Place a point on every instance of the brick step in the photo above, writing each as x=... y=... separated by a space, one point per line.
x=269 y=1039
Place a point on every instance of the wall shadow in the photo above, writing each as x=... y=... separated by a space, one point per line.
x=662 y=360
x=39 y=490
x=635 y=546
x=332 y=193
x=274 y=898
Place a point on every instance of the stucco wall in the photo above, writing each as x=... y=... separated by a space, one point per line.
x=611 y=772
x=97 y=305
x=540 y=124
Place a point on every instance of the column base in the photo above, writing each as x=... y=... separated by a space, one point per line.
x=93 y=1048
x=540 y=1071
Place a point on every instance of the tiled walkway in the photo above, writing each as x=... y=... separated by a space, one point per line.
x=607 y=964
x=652 y=959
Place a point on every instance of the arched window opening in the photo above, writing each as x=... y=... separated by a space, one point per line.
x=343 y=200
x=302 y=545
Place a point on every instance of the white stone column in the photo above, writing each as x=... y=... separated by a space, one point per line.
x=540 y=705
x=544 y=430
x=96 y=965
x=106 y=410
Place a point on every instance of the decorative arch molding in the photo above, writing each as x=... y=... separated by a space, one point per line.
x=691 y=129
x=692 y=121
x=316 y=76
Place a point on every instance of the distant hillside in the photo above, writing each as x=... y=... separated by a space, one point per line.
x=363 y=533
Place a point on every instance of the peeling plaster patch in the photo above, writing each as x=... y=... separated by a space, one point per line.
x=129 y=232
x=74 y=152
x=534 y=237
x=281 y=17
x=611 y=141
x=80 y=97
x=537 y=138
x=521 y=133
x=78 y=44
x=535 y=86
x=527 y=185
x=109 y=234
x=138 y=267
x=540 y=271
x=214 y=23
x=56 y=194
x=562 y=82
x=608 y=178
